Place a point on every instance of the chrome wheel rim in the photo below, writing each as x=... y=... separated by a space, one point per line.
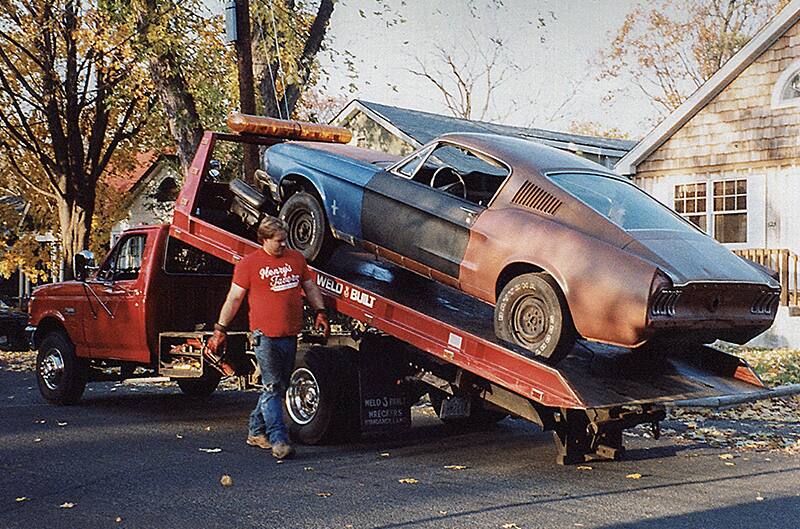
x=51 y=369
x=302 y=396
x=529 y=321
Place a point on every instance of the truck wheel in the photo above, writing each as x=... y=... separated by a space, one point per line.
x=532 y=312
x=309 y=232
x=60 y=374
x=319 y=402
x=200 y=387
x=479 y=415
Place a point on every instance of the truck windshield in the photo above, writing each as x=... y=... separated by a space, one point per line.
x=622 y=203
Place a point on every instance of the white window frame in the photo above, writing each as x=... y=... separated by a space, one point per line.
x=778 y=101
x=710 y=212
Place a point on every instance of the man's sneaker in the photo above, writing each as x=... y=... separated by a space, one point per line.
x=282 y=450
x=260 y=441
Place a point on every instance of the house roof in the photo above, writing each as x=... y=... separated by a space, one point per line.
x=418 y=128
x=757 y=45
x=129 y=178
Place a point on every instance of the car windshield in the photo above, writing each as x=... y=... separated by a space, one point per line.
x=622 y=203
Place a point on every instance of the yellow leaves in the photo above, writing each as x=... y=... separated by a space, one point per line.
x=583 y=467
x=324 y=494
x=226 y=480
x=408 y=481
x=67 y=505
x=634 y=476
x=21 y=499
x=455 y=467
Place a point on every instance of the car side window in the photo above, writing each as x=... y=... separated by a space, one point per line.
x=125 y=262
x=463 y=172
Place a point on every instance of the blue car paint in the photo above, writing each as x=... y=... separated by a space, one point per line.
x=340 y=181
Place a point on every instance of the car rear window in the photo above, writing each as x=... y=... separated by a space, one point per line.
x=622 y=203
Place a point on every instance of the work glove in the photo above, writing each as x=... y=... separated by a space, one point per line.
x=217 y=342
x=321 y=323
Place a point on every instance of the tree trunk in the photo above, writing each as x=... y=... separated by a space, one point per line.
x=75 y=220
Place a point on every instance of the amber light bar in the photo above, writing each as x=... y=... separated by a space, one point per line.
x=290 y=130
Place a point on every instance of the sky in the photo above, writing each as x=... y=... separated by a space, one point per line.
x=550 y=83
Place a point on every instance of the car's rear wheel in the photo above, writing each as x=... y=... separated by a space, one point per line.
x=309 y=232
x=531 y=312
x=60 y=374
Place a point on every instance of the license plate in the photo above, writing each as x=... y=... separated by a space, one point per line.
x=455 y=408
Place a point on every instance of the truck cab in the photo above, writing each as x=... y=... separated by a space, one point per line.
x=115 y=315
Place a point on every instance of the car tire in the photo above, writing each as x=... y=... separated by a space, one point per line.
x=201 y=387
x=479 y=415
x=321 y=402
x=531 y=312
x=309 y=232
x=60 y=374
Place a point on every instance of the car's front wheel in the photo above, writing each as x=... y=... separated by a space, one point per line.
x=309 y=232
x=60 y=374
x=531 y=312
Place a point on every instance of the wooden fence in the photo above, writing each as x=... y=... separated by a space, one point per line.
x=781 y=260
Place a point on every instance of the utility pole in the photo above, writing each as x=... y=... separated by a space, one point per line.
x=238 y=30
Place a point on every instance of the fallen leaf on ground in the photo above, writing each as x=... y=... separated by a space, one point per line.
x=279 y=462
x=323 y=494
x=179 y=436
x=210 y=450
x=67 y=505
x=442 y=512
x=408 y=481
x=308 y=469
x=729 y=464
x=385 y=454
x=583 y=467
x=23 y=498
x=759 y=498
x=726 y=456
x=226 y=480
x=40 y=421
x=37 y=440
x=455 y=467
x=510 y=526
x=62 y=423
x=118 y=519
x=634 y=476
x=208 y=428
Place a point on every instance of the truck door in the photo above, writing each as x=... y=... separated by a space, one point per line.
x=118 y=328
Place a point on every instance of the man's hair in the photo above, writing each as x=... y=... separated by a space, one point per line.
x=269 y=227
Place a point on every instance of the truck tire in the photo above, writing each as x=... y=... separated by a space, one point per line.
x=309 y=232
x=60 y=374
x=479 y=414
x=531 y=312
x=321 y=402
x=201 y=387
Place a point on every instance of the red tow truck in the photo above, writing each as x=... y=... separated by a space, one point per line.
x=148 y=308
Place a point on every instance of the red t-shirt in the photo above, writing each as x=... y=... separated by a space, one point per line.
x=273 y=290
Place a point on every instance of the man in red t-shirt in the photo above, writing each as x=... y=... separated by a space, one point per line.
x=271 y=278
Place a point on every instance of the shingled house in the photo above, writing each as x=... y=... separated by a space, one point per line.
x=401 y=130
x=727 y=159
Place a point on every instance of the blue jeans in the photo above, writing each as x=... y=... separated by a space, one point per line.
x=275 y=358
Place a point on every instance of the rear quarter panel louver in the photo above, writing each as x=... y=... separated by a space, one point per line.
x=534 y=197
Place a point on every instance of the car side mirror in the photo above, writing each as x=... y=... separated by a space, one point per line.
x=83 y=264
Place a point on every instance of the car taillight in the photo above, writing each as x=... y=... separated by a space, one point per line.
x=663 y=296
x=765 y=302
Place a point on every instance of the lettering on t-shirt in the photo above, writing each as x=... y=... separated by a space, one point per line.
x=280 y=278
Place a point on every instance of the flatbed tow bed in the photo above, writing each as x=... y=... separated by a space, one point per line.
x=587 y=400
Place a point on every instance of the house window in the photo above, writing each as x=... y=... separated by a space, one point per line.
x=690 y=202
x=786 y=91
x=724 y=213
x=730 y=211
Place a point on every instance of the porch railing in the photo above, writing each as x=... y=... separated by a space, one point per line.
x=781 y=260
